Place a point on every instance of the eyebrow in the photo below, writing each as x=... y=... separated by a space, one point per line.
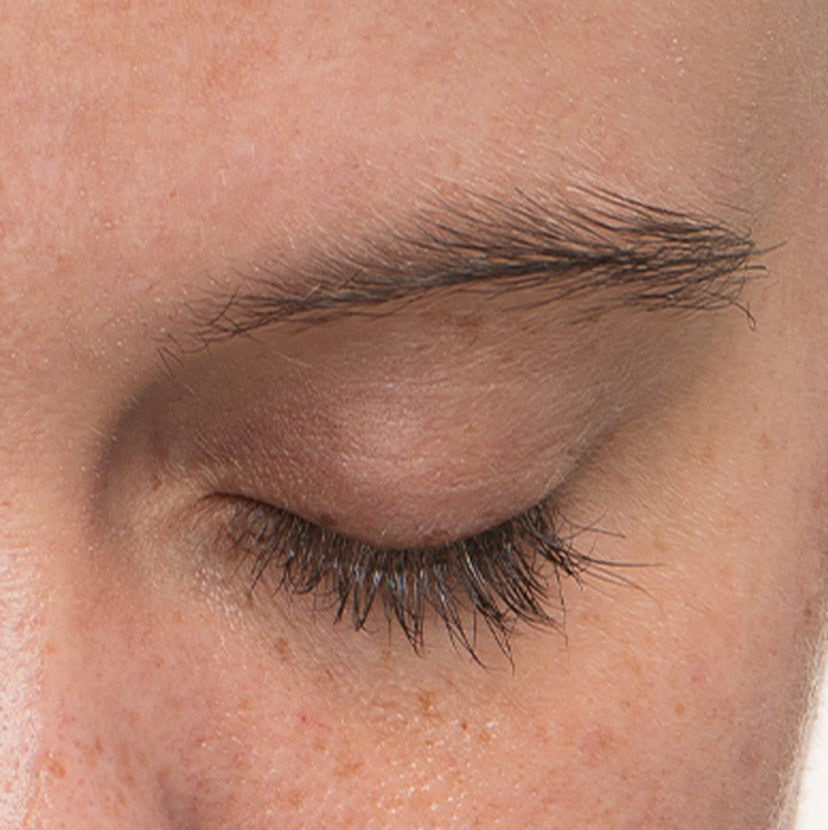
x=593 y=246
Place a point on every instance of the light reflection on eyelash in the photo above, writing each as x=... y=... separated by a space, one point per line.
x=510 y=573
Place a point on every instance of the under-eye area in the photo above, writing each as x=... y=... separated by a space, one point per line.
x=507 y=575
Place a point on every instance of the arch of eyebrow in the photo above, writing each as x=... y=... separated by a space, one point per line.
x=593 y=246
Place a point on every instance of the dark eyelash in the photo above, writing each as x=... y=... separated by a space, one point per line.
x=500 y=576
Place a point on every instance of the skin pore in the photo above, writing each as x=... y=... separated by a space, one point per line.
x=159 y=162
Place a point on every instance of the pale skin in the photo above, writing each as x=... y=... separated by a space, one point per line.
x=150 y=153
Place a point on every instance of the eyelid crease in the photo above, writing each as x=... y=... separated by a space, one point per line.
x=496 y=576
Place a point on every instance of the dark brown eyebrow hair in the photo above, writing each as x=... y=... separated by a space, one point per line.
x=594 y=246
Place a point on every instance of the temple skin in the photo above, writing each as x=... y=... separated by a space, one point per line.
x=150 y=155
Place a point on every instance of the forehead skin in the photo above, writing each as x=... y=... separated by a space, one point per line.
x=167 y=133
x=147 y=149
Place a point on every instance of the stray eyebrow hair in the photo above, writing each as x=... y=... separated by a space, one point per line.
x=594 y=246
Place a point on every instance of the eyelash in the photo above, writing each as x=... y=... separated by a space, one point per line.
x=496 y=576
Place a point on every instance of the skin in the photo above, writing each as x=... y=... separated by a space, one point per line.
x=147 y=149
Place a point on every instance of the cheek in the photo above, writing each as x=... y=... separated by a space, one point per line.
x=674 y=705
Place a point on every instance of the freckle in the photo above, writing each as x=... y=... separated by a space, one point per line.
x=320 y=746
x=464 y=725
x=55 y=767
x=244 y=704
x=680 y=709
x=660 y=545
x=349 y=769
x=90 y=757
x=49 y=649
x=283 y=650
x=750 y=756
x=595 y=741
x=764 y=441
x=295 y=799
x=428 y=702
x=699 y=673
x=99 y=747
x=485 y=737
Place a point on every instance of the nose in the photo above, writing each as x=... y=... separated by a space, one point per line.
x=20 y=675
x=69 y=758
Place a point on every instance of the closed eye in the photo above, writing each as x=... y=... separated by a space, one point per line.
x=508 y=574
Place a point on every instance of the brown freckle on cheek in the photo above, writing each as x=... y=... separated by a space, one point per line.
x=707 y=454
x=427 y=702
x=125 y=764
x=594 y=742
x=295 y=799
x=680 y=709
x=283 y=651
x=809 y=612
x=162 y=777
x=348 y=769
x=91 y=753
x=750 y=756
x=55 y=767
